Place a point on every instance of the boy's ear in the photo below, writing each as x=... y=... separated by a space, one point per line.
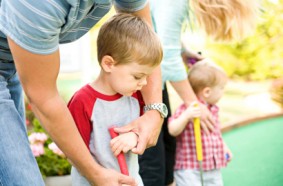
x=107 y=63
x=206 y=92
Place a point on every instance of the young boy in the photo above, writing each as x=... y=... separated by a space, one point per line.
x=208 y=81
x=128 y=51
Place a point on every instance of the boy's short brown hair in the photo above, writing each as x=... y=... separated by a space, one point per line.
x=128 y=38
x=205 y=73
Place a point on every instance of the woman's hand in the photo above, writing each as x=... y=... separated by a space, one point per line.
x=190 y=57
x=206 y=119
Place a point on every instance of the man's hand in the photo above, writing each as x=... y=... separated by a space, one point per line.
x=206 y=120
x=109 y=177
x=147 y=127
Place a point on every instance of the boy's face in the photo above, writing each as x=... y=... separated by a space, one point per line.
x=215 y=94
x=126 y=79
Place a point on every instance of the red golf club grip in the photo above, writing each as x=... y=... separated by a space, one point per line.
x=121 y=157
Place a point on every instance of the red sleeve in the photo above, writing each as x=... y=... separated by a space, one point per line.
x=139 y=97
x=81 y=112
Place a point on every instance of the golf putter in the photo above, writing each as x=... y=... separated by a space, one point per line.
x=121 y=157
x=198 y=145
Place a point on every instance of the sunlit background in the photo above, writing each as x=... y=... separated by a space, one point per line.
x=255 y=89
x=252 y=64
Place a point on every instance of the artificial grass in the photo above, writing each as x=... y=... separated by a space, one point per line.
x=258 y=154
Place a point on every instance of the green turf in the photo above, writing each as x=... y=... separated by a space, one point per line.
x=258 y=154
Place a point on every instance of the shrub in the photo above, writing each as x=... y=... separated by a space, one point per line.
x=50 y=159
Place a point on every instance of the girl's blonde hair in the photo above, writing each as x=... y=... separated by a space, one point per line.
x=226 y=19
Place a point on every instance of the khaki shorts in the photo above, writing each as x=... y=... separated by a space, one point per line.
x=190 y=177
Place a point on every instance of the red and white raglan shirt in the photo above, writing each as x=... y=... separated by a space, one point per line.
x=212 y=145
x=94 y=113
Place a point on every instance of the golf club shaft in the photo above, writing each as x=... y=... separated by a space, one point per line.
x=121 y=157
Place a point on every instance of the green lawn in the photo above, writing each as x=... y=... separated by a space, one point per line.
x=257 y=150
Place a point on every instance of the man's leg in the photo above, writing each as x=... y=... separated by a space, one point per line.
x=169 y=144
x=152 y=164
x=157 y=163
x=17 y=163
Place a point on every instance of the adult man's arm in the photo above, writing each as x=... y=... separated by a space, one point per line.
x=38 y=75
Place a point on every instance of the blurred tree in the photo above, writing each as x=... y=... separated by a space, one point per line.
x=276 y=91
x=259 y=56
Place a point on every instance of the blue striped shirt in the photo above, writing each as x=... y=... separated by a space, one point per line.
x=39 y=26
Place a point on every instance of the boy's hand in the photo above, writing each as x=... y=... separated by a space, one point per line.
x=123 y=143
x=192 y=111
x=147 y=127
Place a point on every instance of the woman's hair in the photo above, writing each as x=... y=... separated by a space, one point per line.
x=205 y=73
x=226 y=19
x=128 y=38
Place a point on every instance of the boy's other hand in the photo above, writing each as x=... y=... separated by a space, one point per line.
x=192 y=111
x=228 y=154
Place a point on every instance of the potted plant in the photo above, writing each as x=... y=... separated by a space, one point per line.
x=52 y=162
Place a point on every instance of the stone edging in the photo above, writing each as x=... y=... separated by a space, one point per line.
x=241 y=123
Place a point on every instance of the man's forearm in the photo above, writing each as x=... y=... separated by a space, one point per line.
x=56 y=119
x=152 y=92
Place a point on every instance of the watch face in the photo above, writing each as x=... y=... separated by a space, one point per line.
x=160 y=107
x=164 y=110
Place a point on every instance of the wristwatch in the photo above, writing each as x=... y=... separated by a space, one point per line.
x=160 y=107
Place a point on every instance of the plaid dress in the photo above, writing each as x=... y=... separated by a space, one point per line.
x=212 y=145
